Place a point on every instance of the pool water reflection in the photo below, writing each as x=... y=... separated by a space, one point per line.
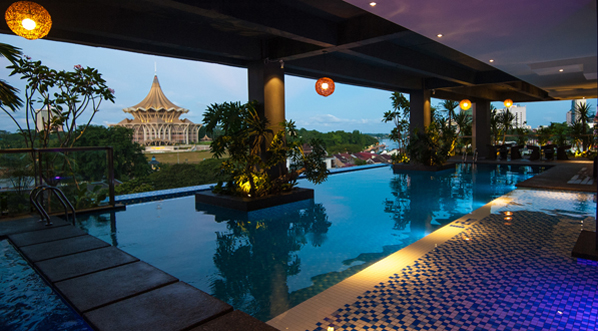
x=27 y=302
x=265 y=262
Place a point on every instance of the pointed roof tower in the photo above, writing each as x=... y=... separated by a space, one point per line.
x=156 y=101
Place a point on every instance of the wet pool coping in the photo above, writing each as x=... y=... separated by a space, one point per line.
x=452 y=279
x=113 y=290
x=560 y=175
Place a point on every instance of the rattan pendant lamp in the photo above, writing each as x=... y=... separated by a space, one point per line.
x=28 y=19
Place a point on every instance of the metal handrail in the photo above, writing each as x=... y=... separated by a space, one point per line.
x=61 y=197
x=39 y=208
x=64 y=201
x=475 y=156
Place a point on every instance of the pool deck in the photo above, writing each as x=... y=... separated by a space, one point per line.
x=478 y=273
x=113 y=290
x=570 y=175
x=481 y=272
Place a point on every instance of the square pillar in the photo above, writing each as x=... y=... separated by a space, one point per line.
x=266 y=86
x=419 y=116
x=481 y=127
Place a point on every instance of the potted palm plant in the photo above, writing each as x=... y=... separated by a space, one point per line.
x=255 y=159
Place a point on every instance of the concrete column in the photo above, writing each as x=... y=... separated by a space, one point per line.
x=266 y=86
x=481 y=127
x=420 y=110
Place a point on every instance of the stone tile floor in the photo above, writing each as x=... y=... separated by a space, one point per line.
x=496 y=275
x=583 y=177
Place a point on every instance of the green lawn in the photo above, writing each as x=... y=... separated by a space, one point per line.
x=180 y=157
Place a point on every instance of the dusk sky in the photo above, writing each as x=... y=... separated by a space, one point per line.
x=195 y=85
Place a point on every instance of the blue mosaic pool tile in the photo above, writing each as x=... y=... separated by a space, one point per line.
x=495 y=275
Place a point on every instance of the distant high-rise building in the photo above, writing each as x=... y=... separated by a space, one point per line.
x=520 y=115
x=570 y=117
x=572 y=113
x=43 y=118
x=156 y=120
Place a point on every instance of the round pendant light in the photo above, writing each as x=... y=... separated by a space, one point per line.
x=28 y=20
x=465 y=104
x=325 y=86
x=508 y=103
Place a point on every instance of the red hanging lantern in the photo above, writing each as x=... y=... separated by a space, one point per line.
x=508 y=103
x=325 y=86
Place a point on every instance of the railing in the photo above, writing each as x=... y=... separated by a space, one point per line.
x=71 y=169
x=34 y=199
x=534 y=138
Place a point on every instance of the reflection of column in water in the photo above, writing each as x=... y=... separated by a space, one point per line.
x=113 y=229
x=474 y=172
x=424 y=201
x=279 y=297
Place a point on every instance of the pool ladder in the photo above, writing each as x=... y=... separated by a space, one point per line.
x=475 y=156
x=34 y=199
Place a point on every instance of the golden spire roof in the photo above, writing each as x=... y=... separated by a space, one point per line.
x=156 y=101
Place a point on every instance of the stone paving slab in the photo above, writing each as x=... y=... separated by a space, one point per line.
x=76 y=265
x=174 y=307
x=235 y=321
x=27 y=224
x=108 y=286
x=46 y=235
x=54 y=249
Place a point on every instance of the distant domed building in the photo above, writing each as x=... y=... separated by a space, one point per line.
x=156 y=121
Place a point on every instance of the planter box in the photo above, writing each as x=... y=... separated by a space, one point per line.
x=397 y=168
x=248 y=204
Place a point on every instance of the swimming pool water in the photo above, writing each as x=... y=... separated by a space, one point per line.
x=267 y=261
x=26 y=302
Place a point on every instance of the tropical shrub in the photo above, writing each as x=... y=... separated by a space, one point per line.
x=430 y=148
x=399 y=116
x=257 y=154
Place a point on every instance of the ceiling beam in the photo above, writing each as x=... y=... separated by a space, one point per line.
x=342 y=69
x=410 y=60
x=267 y=16
x=530 y=90
x=490 y=92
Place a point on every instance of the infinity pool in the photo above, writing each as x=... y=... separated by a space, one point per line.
x=27 y=302
x=267 y=261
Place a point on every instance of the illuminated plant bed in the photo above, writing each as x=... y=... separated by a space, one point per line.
x=250 y=204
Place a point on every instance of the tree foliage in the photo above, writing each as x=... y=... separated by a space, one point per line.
x=433 y=146
x=449 y=107
x=9 y=98
x=257 y=154
x=338 y=141
x=176 y=175
x=583 y=115
x=64 y=97
x=129 y=161
x=430 y=147
x=399 y=116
